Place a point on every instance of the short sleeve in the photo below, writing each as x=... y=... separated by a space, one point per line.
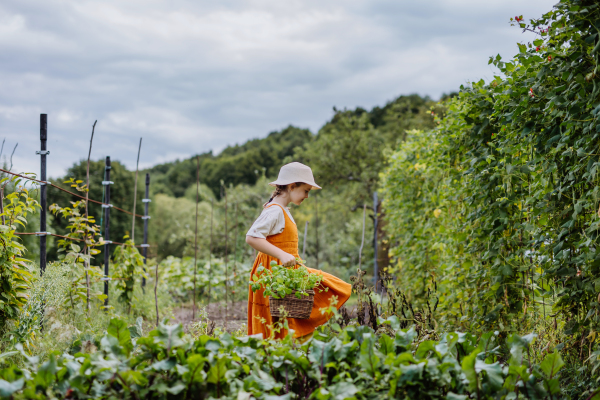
x=270 y=222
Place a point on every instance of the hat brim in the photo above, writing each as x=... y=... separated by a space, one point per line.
x=275 y=183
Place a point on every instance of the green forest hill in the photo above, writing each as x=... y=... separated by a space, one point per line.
x=244 y=164
x=346 y=155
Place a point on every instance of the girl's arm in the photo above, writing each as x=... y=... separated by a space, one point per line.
x=263 y=246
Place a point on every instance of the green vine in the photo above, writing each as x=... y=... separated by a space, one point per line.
x=78 y=248
x=15 y=273
x=128 y=264
x=499 y=203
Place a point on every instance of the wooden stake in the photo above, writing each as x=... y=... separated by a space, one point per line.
x=235 y=260
x=86 y=249
x=2 y=194
x=226 y=257
x=155 y=295
x=212 y=208
x=196 y=231
x=135 y=193
x=362 y=242
x=304 y=245
x=2 y=204
x=13 y=153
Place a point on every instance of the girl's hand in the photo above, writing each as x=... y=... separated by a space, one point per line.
x=263 y=246
x=287 y=260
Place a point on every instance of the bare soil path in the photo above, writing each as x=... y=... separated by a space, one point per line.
x=236 y=312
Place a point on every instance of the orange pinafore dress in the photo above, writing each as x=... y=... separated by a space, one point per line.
x=258 y=305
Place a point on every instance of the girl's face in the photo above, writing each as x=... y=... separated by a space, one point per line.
x=299 y=193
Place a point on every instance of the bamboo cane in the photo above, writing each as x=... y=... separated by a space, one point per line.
x=362 y=242
x=135 y=193
x=235 y=259
x=226 y=258
x=212 y=207
x=87 y=193
x=196 y=231
x=155 y=295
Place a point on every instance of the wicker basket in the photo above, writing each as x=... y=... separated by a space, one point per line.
x=299 y=308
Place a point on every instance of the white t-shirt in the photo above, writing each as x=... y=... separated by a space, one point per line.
x=270 y=222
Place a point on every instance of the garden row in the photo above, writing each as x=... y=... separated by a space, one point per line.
x=502 y=197
x=349 y=363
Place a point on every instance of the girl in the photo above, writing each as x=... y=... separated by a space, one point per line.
x=275 y=236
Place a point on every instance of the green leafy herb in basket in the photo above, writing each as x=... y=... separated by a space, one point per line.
x=281 y=281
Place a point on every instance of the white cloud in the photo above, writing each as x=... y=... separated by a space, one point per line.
x=191 y=76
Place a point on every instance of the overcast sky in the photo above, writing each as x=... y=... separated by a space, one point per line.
x=191 y=76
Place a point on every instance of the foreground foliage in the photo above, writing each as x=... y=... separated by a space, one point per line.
x=501 y=199
x=356 y=362
x=15 y=273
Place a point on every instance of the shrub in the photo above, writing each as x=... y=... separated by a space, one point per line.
x=48 y=292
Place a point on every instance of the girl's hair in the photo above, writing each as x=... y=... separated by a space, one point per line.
x=280 y=189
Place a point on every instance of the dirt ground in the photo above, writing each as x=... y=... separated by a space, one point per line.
x=235 y=314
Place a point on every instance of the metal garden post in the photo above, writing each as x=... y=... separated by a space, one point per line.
x=146 y=217
x=43 y=194
x=107 y=242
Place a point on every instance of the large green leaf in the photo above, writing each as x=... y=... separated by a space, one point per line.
x=343 y=390
x=386 y=344
x=321 y=353
x=468 y=367
x=494 y=374
x=368 y=359
x=405 y=337
x=169 y=335
x=454 y=396
x=551 y=364
x=118 y=329
x=412 y=374
x=424 y=349
x=7 y=389
x=217 y=371
x=136 y=331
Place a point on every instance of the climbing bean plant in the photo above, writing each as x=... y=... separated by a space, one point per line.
x=128 y=264
x=15 y=271
x=505 y=220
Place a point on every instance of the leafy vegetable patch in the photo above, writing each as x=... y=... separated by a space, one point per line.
x=355 y=364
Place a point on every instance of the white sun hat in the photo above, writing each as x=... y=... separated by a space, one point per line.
x=295 y=172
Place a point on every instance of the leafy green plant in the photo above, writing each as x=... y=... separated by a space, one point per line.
x=15 y=274
x=353 y=362
x=128 y=264
x=279 y=281
x=178 y=275
x=48 y=291
x=82 y=230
